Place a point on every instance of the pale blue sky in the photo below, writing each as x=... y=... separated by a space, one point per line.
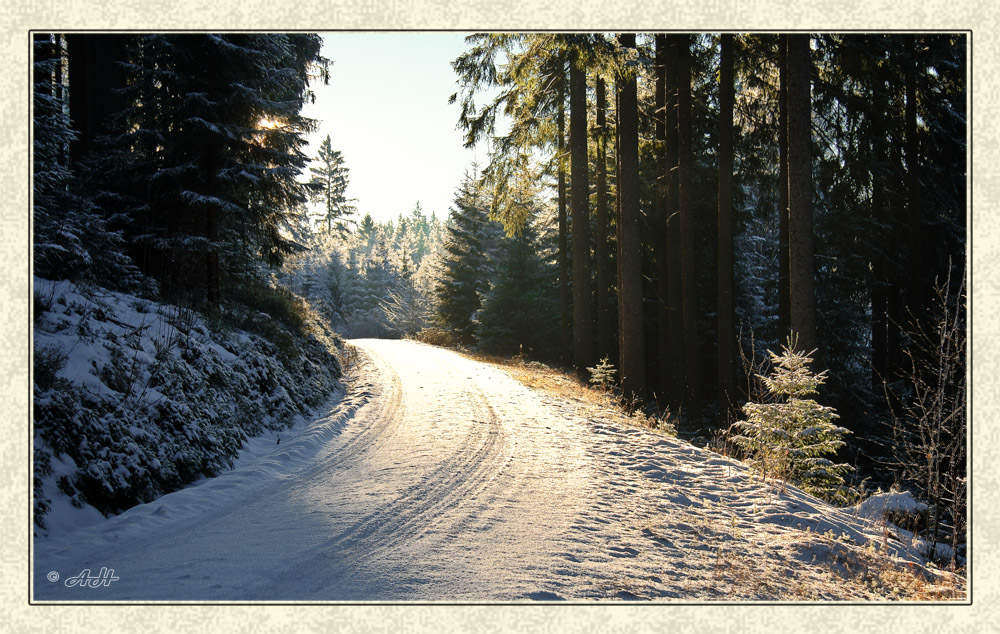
x=386 y=110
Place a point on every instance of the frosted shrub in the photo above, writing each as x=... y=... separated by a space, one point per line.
x=788 y=438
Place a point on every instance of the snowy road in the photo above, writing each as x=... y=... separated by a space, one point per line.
x=440 y=478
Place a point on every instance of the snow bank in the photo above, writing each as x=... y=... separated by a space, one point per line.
x=888 y=509
x=134 y=399
x=876 y=507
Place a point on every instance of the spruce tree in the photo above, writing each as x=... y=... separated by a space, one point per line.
x=214 y=127
x=468 y=238
x=72 y=237
x=801 y=239
x=789 y=437
x=328 y=187
x=688 y=220
x=583 y=345
x=630 y=334
x=726 y=332
x=58 y=249
x=367 y=227
x=518 y=313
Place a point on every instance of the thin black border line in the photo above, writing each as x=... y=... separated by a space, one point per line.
x=969 y=347
x=31 y=308
x=970 y=202
x=360 y=31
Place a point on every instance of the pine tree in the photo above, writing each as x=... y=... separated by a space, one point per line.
x=688 y=241
x=58 y=249
x=789 y=437
x=565 y=324
x=215 y=129
x=726 y=332
x=533 y=95
x=517 y=314
x=367 y=228
x=602 y=228
x=72 y=237
x=328 y=187
x=660 y=244
x=784 y=301
x=97 y=65
x=801 y=250
x=468 y=239
x=583 y=345
x=672 y=357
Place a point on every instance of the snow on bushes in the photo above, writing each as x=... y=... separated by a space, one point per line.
x=134 y=399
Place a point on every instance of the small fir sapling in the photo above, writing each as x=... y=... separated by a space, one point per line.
x=789 y=438
x=603 y=374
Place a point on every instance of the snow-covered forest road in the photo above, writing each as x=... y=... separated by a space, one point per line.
x=444 y=479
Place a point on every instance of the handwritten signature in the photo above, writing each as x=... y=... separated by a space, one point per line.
x=87 y=580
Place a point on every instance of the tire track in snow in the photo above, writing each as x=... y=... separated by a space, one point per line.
x=383 y=392
x=451 y=486
x=448 y=494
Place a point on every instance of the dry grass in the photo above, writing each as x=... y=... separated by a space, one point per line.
x=839 y=572
x=348 y=358
x=892 y=580
x=566 y=385
x=542 y=377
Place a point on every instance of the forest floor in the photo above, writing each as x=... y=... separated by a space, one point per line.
x=442 y=478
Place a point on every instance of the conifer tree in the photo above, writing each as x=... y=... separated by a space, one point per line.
x=726 y=333
x=367 y=227
x=630 y=334
x=801 y=249
x=517 y=314
x=789 y=437
x=214 y=127
x=583 y=346
x=72 y=236
x=58 y=249
x=692 y=354
x=602 y=251
x=468 y=238
x=328 y=187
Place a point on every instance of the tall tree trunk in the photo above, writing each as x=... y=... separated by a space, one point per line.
x=618 y=214
x=675 y=355
x=689 y=276
x=879 y=289
x=784 y=315
x=660 y=240
x=583 y=345
x=564 y=323
x=914 y=217
x=902 y=225
x=44 y=49
x=633 y=363
x=601 y=230
x=212 y=290
x=801 y=253
x=726 y=334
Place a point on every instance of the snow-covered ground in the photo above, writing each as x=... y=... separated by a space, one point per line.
x=134 y=398
x=439 y=478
